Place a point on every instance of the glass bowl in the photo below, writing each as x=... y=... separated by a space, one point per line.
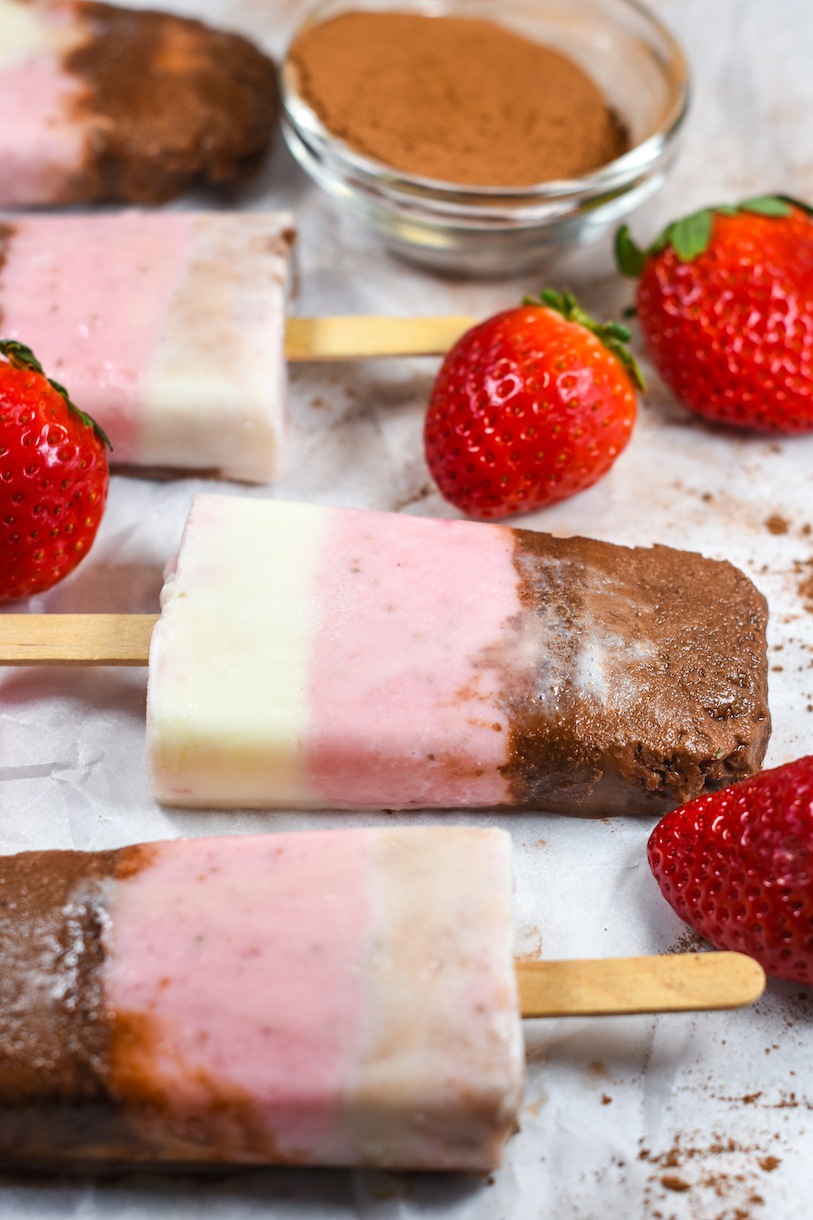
x=495 y=230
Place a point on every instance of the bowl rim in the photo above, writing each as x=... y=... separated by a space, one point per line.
x=310 y=129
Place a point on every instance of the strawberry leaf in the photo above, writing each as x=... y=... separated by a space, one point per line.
x=21 y=357
x=629 y=256
x=613 y=335
x=690 y=236
x=766 y=205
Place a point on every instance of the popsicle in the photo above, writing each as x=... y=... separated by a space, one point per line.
x=315 y=657
x=167 y=327
x=333 y=997
x=99 y=102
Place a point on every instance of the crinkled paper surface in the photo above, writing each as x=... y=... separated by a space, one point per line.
x=704 y=1117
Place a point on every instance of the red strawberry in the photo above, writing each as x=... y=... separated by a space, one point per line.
x=725 y=303
x=529 y=408
x=53 y=477
x=738 y=866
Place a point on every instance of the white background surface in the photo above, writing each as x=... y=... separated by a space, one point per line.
x=619 y=1112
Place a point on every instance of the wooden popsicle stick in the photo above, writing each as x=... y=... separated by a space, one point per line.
x=354 y=338
x=75 y=639
x=672 y=982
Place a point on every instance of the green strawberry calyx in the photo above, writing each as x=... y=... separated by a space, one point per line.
x=21 y=357
x=613 y=335
x=691 y=235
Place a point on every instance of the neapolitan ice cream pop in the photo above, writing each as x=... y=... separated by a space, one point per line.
x=311 y=657
x=168 y=328
x=333 y=997
x=99 y=102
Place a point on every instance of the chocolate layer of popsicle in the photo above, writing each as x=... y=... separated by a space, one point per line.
x=55 y=1032
x=652 y=684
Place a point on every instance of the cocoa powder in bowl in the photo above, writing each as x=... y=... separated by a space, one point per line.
x=458 y=99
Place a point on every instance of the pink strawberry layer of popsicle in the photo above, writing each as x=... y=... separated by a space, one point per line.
x=317 y=657
x=168 y=328
x=98 y=102
x=333 y=997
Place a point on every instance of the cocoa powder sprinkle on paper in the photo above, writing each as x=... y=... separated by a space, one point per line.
x=672 y=1182
x=457 y=99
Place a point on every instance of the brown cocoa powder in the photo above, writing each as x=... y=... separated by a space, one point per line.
x=457 y=99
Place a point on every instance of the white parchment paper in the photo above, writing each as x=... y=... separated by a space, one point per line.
x=704 y=1117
